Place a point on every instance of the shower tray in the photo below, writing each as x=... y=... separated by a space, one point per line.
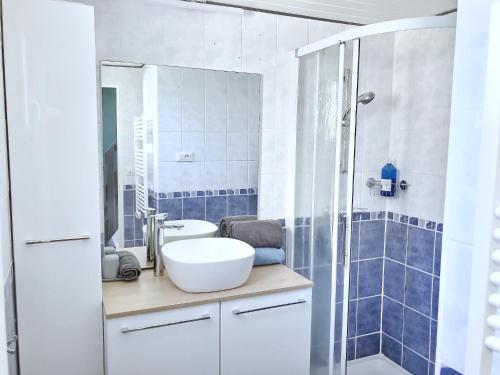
x=374 y=365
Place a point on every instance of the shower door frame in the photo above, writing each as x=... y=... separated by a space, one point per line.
x=340 y=39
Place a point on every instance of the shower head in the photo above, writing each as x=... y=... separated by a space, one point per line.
x=366 y=97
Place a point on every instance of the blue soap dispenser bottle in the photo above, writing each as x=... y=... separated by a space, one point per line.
x=388 y=180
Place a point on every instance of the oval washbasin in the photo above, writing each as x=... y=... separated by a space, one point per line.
x=208 y=264
x=187 y=229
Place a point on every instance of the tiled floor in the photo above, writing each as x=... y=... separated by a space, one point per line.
x=374 y=365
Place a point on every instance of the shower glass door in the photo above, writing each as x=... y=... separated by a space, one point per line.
x=321 y=193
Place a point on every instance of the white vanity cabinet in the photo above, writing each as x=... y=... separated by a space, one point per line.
x=182 y=341
x=266 y=335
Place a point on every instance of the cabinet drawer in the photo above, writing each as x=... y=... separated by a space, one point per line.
x=183 y=341
x=267 y=335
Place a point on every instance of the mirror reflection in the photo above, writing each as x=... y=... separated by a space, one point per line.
x=180 y=140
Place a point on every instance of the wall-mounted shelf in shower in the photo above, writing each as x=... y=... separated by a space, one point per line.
x=375 y=185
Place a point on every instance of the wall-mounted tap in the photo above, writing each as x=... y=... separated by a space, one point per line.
x=159 y=225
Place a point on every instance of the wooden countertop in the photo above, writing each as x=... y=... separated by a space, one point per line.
x=150 y=293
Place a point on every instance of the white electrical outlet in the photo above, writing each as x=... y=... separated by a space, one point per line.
x=184 y=156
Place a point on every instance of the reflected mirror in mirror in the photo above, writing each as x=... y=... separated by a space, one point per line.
x=183 y=141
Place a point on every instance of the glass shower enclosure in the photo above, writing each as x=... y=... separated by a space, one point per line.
x=322 y=206
x=324 y=180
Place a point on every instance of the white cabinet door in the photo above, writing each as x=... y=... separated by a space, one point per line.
x=53 y=148
x=267 y=335
x=175 y=342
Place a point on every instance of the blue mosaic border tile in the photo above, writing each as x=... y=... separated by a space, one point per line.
x=210 y=205
x=205 y=193
x=415 y=221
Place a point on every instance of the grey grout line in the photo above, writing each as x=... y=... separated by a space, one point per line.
x=357 y=294
x=367 y=297
x=404 y=291
x=383 y=283
x=413 y=268
x=369 y=334
x=410 y=308
x=364 y=260
x=432 y=295
x=407 y=347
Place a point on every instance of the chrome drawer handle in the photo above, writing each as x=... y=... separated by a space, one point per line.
x=299 y=302
x=129 y=330
x=80 y=238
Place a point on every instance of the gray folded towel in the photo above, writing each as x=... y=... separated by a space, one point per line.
x=226 y=221
x=130 y=268
x=258 y=233
x=109 y=250
x=110 y=266
x=265 y=256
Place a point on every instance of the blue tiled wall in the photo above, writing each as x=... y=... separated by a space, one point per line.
x=133 y=235
x=321 y=274
x=302 y=246
x=209 y=205
x=365 y=284
x=394 y=288
x=449 y=371
x=411 y=292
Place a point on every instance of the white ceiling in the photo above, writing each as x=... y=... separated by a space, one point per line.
x=357 y=11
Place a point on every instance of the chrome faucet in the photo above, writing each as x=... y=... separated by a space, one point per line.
x=159 y=225
x=150 y=239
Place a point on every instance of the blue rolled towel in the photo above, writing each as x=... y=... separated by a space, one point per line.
x=265 y=256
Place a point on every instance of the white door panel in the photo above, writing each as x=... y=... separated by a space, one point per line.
x=182 y=341
x=267 y=335
x=52 y=122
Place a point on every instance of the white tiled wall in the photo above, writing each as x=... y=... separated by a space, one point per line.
x=216 y=115
x=408 y=122
x=132 y=30
x=423 y=73
x=373 y=127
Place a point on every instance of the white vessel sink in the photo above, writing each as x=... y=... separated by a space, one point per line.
x=208 y=264
x=191 y=229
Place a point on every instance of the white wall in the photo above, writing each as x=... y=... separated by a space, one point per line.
x=463 y=186
x=6 y=270
x=423 y=72
x=5 y=239
x=373 y=127
x=131 y=30
x=408 y=121
x=215 y=115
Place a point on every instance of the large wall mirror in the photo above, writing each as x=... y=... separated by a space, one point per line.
x=183 y=141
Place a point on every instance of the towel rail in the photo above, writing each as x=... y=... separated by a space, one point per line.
x=299 y=301
x=125 y=330
x=492 y=342
x=79 y=238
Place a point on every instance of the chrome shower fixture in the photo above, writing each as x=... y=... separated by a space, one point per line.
x=364 y=99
